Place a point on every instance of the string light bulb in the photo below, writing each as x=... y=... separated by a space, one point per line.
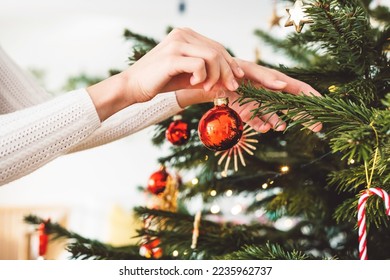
x=236 y=209
x=284 y=169
x=215 y=209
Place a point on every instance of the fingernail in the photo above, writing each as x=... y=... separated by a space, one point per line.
x=279 y=128
x=207 y=87
x=234 y=84
x=194 y=80
x=240 y=71
x=316 y=127
x=280 y=84
x=264 y=128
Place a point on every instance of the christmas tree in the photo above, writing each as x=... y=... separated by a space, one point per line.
x=302 y=190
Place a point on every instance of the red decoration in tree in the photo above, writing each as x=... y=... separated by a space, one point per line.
x=177 y=132
x=158 y=181
x=151 y=249
x=362 y=217
x=43 y=239
x=221 y=127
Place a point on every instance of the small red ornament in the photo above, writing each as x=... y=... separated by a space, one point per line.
x=150 y=249
x=177 y=132
x=221 y=127
x=43 y=239
x=158 y=181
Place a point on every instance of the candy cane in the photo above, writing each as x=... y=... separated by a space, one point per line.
x=362 y=217
x=195 y=233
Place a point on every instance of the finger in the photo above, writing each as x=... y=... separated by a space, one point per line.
x=246 y=113
x=238 y=72
x=217 y=67
x=274 y=120
x=316 y=127
x=295 y=86
x=191 y=65
x=275 y=80
x=259 y=125
x=195 y=38
x=227 y=76
x=255 y=122
x=213 y=69
x=199 y=59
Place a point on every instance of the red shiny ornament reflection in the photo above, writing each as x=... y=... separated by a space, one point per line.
x=177 y=132
x=158 y=181
x=221 y=127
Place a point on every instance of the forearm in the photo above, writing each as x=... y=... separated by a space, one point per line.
x=187 y=97
x=111 y=95
x=131 y=120
x=32 y=137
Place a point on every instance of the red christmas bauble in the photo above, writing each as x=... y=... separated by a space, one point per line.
x=158 y=181
x=221 y=127
x=151 y=249
x=177 y=132
x=43 y=239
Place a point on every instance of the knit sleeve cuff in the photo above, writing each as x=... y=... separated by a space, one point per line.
x=133 y=119
x=34 y=136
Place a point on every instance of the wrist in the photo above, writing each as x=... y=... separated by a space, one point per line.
x=110 y=95
x=187 y=97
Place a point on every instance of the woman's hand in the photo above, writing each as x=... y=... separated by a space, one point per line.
x=271 y=79
x=183 y=60
x=259 y=76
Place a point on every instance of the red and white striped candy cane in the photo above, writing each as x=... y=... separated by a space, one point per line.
x=362 y=217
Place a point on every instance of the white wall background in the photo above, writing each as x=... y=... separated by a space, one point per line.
x=65 y=38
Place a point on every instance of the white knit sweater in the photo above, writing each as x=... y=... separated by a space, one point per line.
x=36 y=127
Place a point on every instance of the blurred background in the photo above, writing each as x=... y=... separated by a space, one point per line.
x=93 y=190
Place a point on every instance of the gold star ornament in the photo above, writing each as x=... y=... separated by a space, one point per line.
x=297 y=17
x=275 y=19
